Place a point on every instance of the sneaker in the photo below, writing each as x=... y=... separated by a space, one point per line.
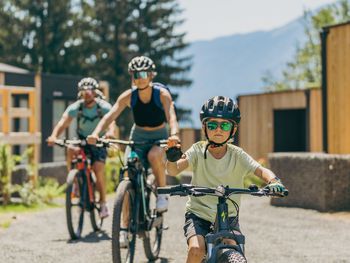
x=123 y=239
x=104 y=211
x=162 y=203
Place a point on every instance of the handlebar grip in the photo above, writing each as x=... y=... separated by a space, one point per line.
x=165 y=190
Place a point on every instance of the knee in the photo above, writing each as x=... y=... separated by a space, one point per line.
x=155 y=155
x=196 y=251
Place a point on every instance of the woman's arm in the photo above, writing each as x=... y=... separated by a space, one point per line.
x=122 y=102
x=169 y=110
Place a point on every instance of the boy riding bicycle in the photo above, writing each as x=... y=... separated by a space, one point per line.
x=88 y=110
x=215 y=162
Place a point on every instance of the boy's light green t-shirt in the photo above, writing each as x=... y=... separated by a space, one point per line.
x=229 y=170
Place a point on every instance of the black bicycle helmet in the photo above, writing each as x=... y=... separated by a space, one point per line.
x=88 y=83
x=220 y=107
x=141 y=63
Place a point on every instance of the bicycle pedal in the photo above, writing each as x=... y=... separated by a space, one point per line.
x=165 y=227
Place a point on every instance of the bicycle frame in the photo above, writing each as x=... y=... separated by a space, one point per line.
x=221 y=231
x=82 y=163
x=137 y=174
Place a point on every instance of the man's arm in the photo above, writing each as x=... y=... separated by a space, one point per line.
x=169 y=110
x=59 y=128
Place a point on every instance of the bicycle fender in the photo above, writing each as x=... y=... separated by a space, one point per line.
x=70 y=177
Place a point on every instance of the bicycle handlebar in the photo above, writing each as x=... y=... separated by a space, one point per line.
x=109 y=142
x=74 y=142
x=220 y=191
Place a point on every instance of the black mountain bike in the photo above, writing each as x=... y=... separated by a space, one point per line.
x=217 y=251
x=81 y=193
x=135 y=206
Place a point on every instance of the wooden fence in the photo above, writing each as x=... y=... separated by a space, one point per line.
x=8 y=114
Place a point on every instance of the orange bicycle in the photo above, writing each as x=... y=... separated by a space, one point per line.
x=81 y=193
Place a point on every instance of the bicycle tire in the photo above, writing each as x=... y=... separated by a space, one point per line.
x=231 y=256
x=96 y=221
x=73 y=202
x=153 y=238
x=119 y=254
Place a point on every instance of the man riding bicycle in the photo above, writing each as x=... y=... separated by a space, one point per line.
x=215 y=162
x=152 y=107
x=88 y=111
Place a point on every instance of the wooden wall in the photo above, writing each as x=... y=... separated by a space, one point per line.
x=256 y=128
x=338 y=89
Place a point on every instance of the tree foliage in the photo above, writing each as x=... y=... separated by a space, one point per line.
x=304 y=70
x=96 y=38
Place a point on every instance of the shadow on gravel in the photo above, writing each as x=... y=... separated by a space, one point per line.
x=93 y=237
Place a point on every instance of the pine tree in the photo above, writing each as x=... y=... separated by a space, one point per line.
x=46 y=34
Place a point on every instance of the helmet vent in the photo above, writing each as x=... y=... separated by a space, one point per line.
x=229 y=106
x=211 y=104
x=221 y=105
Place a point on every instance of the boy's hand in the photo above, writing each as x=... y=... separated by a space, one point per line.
x=173 y=150
x=276 y=187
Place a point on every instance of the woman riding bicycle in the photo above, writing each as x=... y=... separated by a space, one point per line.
x=214 y=162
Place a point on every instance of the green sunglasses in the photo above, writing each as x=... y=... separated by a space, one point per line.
x=224 y=125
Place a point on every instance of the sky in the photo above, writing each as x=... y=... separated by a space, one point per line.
x=208 y=19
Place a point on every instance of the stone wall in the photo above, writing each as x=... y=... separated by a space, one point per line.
x=55 y=170
x=314 y=180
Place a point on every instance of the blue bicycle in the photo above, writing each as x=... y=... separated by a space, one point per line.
x=135 y=206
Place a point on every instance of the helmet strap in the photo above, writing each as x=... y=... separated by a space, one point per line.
x=214 y=144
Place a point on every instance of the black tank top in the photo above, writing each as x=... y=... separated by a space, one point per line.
x=148 y=114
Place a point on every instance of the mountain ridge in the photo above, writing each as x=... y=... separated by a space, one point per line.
x=234 y=65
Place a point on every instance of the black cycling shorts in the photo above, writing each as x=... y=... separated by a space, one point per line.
x=195 y=225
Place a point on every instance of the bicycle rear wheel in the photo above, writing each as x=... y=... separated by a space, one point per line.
x=123 y=218
x=153 y=237
x=231 y=256
x=74 y=205
x=95 y=208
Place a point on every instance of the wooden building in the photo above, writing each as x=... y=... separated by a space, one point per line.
x=289 y=121
x=336 y=88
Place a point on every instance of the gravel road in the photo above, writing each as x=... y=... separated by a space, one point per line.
x=273 y=234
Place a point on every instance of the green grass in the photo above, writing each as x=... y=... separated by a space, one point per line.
x=5 y=224
x=20 y=208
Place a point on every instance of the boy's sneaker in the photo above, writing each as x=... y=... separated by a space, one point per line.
x=162 y=203
x=123 y=239
x=104 y=211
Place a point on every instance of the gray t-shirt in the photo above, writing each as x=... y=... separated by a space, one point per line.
x=89 y=117
x=229 y=170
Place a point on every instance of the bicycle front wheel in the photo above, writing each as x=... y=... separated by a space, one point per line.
x=123 y=219
x=74 y=205
x=153 y=237
x=231 y=256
